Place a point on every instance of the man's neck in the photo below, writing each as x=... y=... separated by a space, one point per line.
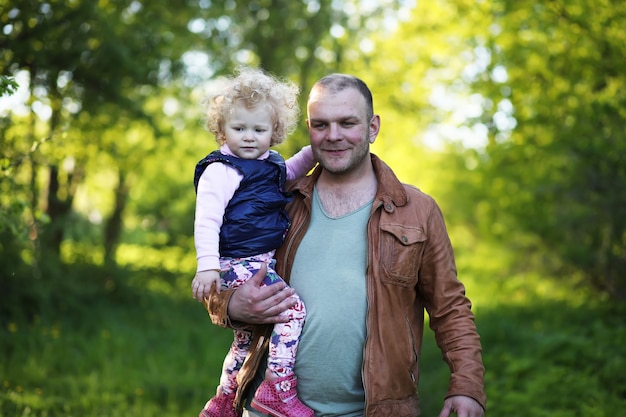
x=343 y=194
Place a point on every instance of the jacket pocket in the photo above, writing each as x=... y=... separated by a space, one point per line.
x=401 y=249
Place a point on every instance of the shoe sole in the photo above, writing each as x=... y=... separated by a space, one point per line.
x=264 y=409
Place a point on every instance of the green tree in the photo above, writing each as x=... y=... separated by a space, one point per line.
x=554 y=104
x=113 y=87
x=527 y=101
x=7 y=85
x=90 y=66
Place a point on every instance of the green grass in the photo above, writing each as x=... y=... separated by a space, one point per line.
x=544 y=359
x=122 y=352
x=88 y=343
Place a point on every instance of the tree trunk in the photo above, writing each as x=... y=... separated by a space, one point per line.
x=57 y=209
x=113 y=227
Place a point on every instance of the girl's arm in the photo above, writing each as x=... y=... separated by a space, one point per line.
x=300 y=164
x=216 y=187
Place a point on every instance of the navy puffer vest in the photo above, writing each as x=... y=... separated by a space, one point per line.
x=255 y=220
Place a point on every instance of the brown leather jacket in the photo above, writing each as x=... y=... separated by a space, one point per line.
x=411 y=268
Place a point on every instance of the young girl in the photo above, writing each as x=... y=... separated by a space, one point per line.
x=241 y=220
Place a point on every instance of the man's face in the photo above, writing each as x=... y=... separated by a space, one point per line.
x=339 y=130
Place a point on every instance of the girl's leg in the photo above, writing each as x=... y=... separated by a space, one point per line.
x=285 y=336
x=234 y=360
x=222 y=403
x=284 y=340
x=278 y=395
x=232 y=276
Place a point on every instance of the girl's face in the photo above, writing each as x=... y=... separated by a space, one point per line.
x=249 y=131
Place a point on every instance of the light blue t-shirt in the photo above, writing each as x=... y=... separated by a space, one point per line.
x=329 y=274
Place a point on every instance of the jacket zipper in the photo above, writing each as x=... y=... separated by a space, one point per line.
x=412 y=344
x=296 y=236
x=368 y=284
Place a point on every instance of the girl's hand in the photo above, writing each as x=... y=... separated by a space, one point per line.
x=202 y=283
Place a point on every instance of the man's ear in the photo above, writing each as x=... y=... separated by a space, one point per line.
x=374 y=128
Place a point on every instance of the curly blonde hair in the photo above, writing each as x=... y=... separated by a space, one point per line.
x=252 y=87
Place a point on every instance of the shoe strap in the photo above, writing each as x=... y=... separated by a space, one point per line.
x=286 y=388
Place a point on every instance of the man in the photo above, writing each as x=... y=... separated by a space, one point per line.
x=367 y=255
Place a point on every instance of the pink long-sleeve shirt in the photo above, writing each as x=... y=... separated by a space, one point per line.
x=217 y=185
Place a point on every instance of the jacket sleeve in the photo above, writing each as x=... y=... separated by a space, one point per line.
x=216 y=186
x=450 y=313
x=217 y=307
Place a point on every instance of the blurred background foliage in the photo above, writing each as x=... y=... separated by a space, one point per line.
x=510 y=113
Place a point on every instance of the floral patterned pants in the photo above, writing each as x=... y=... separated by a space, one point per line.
x=285 y=336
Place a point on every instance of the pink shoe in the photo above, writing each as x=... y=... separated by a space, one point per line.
x=220 y=406
x=279 y=398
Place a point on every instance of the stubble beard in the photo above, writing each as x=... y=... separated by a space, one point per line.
x=355 y=159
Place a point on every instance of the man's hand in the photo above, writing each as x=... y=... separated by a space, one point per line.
x=462 y=407
x=255 y=303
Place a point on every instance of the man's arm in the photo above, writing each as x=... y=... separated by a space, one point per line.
x=450 y=313
x=251 y=303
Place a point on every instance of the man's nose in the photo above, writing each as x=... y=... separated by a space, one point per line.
x=333 y=131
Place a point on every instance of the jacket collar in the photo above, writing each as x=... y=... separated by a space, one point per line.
x=390 y=189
